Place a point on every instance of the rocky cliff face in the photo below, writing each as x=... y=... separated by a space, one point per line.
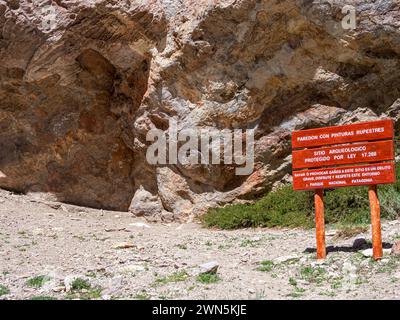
x=83 y=81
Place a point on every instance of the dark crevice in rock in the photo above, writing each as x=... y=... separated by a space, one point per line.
x=353 y=71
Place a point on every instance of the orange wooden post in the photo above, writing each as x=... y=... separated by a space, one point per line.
x=320 y=223
x=375 y=222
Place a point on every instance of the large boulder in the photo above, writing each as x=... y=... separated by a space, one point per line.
x=82 y=82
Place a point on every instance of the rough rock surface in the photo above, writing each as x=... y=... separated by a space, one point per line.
x=82 y=82
x=396 y=248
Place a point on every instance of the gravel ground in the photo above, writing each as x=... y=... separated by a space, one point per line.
x=45 y=247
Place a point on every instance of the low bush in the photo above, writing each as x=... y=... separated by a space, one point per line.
x=287 y=208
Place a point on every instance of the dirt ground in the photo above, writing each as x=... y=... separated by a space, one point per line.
x=45 y=247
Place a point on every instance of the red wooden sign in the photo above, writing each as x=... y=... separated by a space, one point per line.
x=366 y=131
x=378 y=173
x=343 y=154
x=351 y=144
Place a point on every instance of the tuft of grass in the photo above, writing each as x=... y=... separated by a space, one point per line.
x=328 y=294
x=390 y=266
x=208 y=277
x=297 y=292
x=266 y=266
x=396 y=236
x=142 y=296
x=175 y=277
x=38 y=281
x=249 y=243
x=93 y=293
x=80 y=284
x=4 y=290
x=91 y=274
x=294 y=295
x=336 y=282
x=293 y=282
x=288 y=208
x=313 y=275
x=42 y=298
x=82 y=289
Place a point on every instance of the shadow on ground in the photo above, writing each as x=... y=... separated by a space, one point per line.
x=353 y=248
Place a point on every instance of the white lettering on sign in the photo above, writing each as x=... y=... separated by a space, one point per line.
x=337 y=177
x=348 y=150
x=307 y=138
x=368 y=131
x=341 y=134
x=319 y=159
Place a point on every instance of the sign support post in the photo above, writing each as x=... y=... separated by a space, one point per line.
x=358 y=154
x=375 y=222
x=320 y=223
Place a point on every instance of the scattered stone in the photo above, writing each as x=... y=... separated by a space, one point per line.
x=209 y=267
x=302 y=282
x=114 y=229
x=132 y=268
x=64 y=208
x=139 y=225
x=319 y=262
x=53 y=205
x=38 y=232
x=59 y=289
x=285 y=259
x=123 y=245
x=303 y=260
x=396 y=249
x=369 y=253
x=330 y=233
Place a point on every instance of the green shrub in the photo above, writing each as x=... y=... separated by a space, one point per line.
x=38 y=281
x=287 y=208
x=4 y=290
x=208 y=277
x=43 y=298
x=266 y=266
x=175 y=277
x=80 y=284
